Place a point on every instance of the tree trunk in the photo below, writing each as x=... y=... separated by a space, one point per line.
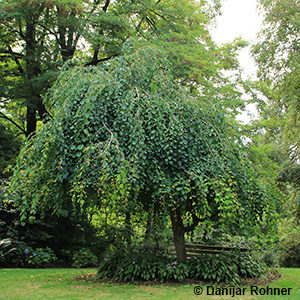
x=178 y=234
x=32 y=71
x=31 y=120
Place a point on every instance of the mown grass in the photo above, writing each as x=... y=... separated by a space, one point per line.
x=23 y=284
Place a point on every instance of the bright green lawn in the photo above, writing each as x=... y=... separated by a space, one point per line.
x=34 y=284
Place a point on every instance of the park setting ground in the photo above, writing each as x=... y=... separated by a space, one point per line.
x=65 y=284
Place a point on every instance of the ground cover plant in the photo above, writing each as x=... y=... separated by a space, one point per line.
x=136 y=266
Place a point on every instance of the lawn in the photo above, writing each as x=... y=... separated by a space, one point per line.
x=22 y=284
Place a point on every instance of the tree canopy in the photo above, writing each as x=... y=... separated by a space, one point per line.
x=125 y=133
x=277 y=57
x=37 y=37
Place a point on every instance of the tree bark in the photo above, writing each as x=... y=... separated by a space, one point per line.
x=31 y=120
x=178 y=234
x=32 y=69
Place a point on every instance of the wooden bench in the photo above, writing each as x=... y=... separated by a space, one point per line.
x=196 y=249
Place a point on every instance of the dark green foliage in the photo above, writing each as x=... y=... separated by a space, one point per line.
x=140 y=266
x=84 y=258
x=124 y=136
x=289 y=248
x=9 y=148
x=173 y=271
x=136 y=266
x=127 y=125
x=250 y=265
x=40 y=257
x=40 y=241
x=216 y=268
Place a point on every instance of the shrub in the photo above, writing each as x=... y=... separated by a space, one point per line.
x=249 y=265
x=131 y=266
x=173 y=271
x=263 y=249
x=137 y=266
x=289 y=248
x=84 y=258
x=41 y=257
x=25 y=255
x=49 y=232
x=215 y=268
x=226 y=267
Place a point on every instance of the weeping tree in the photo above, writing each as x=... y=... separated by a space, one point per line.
x=124 y=133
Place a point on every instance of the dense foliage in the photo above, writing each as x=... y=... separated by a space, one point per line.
x=131 y=139
x=37 y=37
x=9 y=149
x=277 y=56
x=125 y=136
x=274 y=146
x=84 y=258
x=140 y=266
x=39 y=243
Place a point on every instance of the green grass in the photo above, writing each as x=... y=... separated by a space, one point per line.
x=23 y=284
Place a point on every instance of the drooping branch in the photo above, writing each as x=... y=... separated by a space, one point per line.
x=196 y=221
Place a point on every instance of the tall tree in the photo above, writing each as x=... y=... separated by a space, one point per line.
x=275 y=136
x=125 y=132
x=38 y=36
x=277 y=55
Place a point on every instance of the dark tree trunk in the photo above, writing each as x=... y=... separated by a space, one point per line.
x=32 y=70
x=43 y=113
x=31 y=120
x=67 y=53
x=178 y=234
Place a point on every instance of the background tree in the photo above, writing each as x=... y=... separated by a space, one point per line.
x=38 y=36
x=277 y=57
x=273 y=138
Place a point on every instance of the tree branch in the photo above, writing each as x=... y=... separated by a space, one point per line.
x=105 y=7
x=196 y=221
x=95 y=62
x=16 y=60
x=3 y=116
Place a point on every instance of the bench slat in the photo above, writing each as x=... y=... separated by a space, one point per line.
x=196 y=249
